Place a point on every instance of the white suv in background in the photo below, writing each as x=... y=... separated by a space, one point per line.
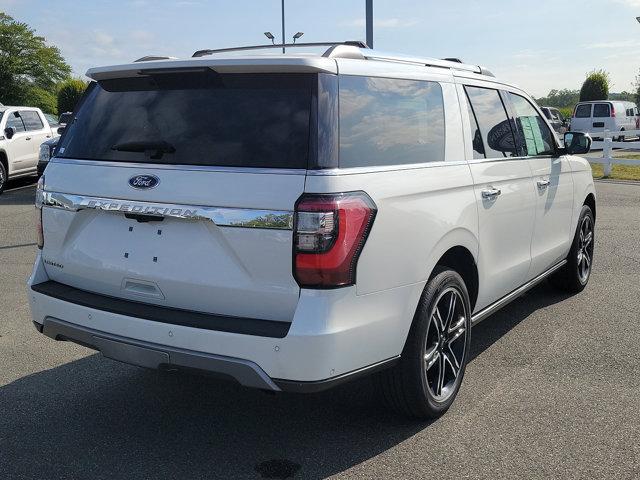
x=22 y=130
x=295 y=221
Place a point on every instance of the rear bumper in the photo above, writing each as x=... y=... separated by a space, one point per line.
x=149 y=355
x=335 y=336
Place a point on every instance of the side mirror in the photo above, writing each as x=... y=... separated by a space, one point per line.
x=9 y=132
x=577 y=143
x=65 y=118
x=60 y=130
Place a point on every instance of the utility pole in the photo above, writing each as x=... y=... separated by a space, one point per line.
x=283 y=26
x=369 y=8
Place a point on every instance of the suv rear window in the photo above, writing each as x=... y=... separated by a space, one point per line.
x=583 y=111
x=601 y=110
x=202 y=118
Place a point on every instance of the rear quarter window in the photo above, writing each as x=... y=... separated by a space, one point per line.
x=387 y=121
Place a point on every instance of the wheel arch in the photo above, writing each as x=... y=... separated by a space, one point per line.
x=458 y=250
x=590 y=201
x=5 y=161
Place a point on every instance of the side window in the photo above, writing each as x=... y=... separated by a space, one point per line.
x=533 y=134
x=601 y=110
x=583 y=111
x=494 y=124
x=31 y=120
x=14 y=121
x=386 y=121
x=476 y=137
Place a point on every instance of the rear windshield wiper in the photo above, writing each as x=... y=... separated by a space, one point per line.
x=154 y=149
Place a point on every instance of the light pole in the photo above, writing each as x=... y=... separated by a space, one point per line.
x=369 y=22
x=297 y=36
x=283 y=26
x=270 y=36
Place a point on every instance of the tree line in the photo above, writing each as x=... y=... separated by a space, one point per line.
x=595 y=87
x=33 y=73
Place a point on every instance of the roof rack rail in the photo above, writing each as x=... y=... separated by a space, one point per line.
x=149 y=58
x=353 y=43
x=343 y=51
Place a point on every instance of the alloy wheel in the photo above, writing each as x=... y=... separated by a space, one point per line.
x=585 y=249
x=445 y=344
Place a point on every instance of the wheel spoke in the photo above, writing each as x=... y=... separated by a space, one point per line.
x=431 y=356
x=437 y=320
x=451 y=311
x=453 y=363
x=587 y=240
x=440 y=380
x=459 y=325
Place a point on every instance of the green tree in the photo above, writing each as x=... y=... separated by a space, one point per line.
x=41 y=98
x=560 y=98
x=595 y=87
x=69 y=92
x=28 y=66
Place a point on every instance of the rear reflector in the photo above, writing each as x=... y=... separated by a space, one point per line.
x=330 y=231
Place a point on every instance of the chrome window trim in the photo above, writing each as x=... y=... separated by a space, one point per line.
x=506 y=159
x=221 y=216
x=384 y=168
x=160 y=166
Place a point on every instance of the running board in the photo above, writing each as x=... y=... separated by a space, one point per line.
x=494 y=307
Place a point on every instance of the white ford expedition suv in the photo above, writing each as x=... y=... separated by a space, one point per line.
x=22 y=131
x=295 y=221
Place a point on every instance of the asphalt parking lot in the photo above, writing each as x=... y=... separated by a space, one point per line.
x=552 y=391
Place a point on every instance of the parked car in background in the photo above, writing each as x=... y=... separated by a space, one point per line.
x=597 y=116
x=310 y=221
x=46 y=152
x=555 y=119
x=22 y=131
x=52 y=120
x=48 y=147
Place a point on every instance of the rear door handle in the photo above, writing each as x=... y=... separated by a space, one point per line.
x=543 y=183
x=28 y=138
x=491 y=192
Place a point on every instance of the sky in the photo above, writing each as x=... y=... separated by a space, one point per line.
x=537 y=44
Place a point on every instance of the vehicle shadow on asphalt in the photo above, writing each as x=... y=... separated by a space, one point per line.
x=19 y=192
x=96 y=418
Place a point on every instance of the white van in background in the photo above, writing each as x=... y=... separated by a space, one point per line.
x=597 y=116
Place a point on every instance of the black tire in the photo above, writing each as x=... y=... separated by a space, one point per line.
x=573 y=277
x=410 y=386
x=3 y=177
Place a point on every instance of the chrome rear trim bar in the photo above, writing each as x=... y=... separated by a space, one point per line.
x=221 y=216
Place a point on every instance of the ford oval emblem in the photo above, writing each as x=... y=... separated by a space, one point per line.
x=144 y=182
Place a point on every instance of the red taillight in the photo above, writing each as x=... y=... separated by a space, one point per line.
x=39 y=195
x=329 y=233
x=613 y=112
